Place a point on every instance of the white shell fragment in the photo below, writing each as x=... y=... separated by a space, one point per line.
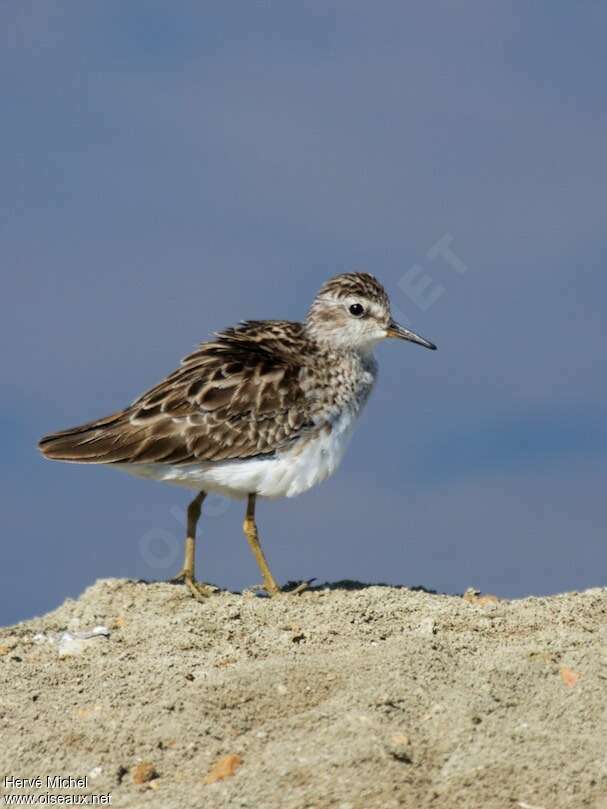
x=73 y=642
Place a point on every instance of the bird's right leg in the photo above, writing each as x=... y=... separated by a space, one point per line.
x=186 y=574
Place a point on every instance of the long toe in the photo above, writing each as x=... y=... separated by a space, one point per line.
x=198 y=590
x=291 y=588
x=294 y=588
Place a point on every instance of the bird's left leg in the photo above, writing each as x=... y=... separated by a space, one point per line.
x=186 y=574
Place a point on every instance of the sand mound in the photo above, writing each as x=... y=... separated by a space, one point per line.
x=348 y=697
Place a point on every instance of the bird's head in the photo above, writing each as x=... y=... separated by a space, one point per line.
x=353 y=311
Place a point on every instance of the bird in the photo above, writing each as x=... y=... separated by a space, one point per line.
x=263 y=409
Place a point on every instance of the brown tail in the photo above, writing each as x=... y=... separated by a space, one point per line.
x=88 y=443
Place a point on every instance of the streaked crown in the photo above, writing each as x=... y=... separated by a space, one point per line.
x=356 y=285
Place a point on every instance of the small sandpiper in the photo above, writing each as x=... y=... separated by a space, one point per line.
x=263 y=410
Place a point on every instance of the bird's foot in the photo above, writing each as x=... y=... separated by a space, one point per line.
x=295 y=588
x=291 y=588
x=197 y=589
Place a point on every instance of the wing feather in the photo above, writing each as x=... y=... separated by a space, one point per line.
x=236 y=396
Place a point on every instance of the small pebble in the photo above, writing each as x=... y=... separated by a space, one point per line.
x=143 y=772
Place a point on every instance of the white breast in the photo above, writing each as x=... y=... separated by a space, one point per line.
x=291 y=472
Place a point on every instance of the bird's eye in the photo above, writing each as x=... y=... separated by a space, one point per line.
x=357 y=309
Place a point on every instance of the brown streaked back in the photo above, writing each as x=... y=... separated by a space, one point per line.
x=236 y=396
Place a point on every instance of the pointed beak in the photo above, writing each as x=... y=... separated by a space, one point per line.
x=400 y=332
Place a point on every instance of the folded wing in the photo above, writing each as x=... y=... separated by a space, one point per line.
x=237 y=396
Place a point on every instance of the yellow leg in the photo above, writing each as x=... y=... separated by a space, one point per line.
x=186 y=574
x=250 y=530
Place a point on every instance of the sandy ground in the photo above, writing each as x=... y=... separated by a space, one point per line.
x=349 y=696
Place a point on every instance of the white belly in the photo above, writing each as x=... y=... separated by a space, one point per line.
x=287 y=474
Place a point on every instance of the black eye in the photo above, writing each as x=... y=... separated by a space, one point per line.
x=357 y=309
